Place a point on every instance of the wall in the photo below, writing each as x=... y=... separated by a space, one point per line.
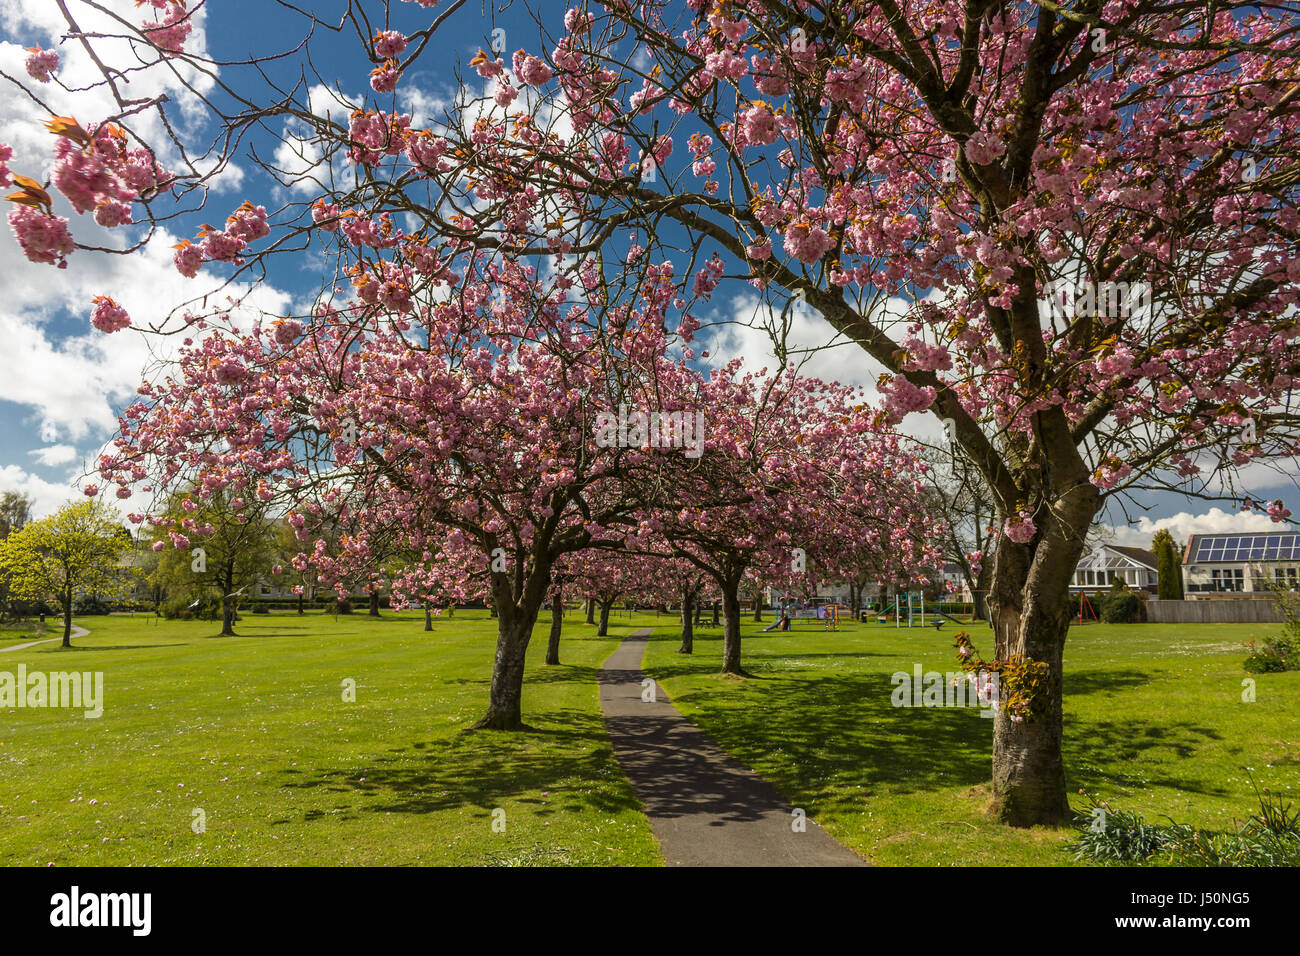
x=1214 y=611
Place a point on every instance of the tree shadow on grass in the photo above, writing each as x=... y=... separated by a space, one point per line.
x=1135 y=753
x=482 y=769
x=1091 y=682
x=838 y=738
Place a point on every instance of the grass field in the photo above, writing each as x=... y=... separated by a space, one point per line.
x=1154 y=722
x=253 y=731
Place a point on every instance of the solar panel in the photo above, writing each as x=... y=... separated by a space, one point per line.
x=1259 y=547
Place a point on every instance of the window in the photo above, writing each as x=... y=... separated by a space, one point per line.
x=1228 y=579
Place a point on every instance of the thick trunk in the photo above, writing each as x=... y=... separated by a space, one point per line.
x=591 y=610
x=1031 y=616
x=758 y=607
x=505 y=699
x=67 y=618
x=374 y=604
x=428 y=619
x=715 y=613
x=730 y=629
x=603 y=629
x=557 y=624
x=688 y=627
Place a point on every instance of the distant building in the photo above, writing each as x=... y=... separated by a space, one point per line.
x=1136 y=567
x=1216 y=564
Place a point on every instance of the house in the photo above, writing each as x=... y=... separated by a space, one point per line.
x=1218 y=564
x=1136 y=567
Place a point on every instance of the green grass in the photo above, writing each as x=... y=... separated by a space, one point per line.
x=253 y=730
x=24 y=631
x=1154 y=722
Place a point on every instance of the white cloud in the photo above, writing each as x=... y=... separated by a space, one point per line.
x=54 y=455
x=1185 y=524
x=47 y=496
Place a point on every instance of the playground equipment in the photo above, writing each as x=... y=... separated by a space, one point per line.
x=830 y=616
x=914 y=612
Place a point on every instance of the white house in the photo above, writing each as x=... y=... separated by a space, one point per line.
x=1240 y=563
x=1136 y=567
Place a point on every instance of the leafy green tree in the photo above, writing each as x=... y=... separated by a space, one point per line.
x=76 y=551
x=229 y=546
x=1169 y=584
x=15 y=512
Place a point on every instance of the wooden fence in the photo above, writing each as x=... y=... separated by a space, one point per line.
x=1214 y=611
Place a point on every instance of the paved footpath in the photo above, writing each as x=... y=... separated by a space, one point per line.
x=76 y=632
x=706 y=808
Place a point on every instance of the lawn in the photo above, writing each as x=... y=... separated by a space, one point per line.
x=253 y=730
x=1154 y=722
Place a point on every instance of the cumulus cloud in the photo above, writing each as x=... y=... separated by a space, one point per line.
x=52 y=455
x=1185 y=524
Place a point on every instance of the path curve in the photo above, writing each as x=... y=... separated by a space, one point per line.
x=705 y=807
x=76 y=632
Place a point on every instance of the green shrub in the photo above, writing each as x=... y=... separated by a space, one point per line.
x=1270 y=837
x=1277 y=655
x=1121 y=605
x=89 y=605
x=204 y=608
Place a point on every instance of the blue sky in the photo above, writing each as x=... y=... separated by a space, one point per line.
x=62 y=383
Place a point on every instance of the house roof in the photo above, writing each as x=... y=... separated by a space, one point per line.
x=1110 y=557
x=1140 y=555
x=1243 y=546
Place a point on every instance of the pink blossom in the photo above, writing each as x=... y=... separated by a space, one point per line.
x=188 y=259
x=108 y=316
x=807 y=243
x=530 y=70
x=171 y=33
x=759 y=125
x=505 y=93
x=6 y=154
x=41 y=64
x=111 y=212
x=759 y=251
x=383 y=79
x=287 y=331
x=389 y=43
x=43 y=238
x=578 y=21
x=1020 y=528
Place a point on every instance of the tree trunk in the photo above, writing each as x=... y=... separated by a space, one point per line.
x=688 y=628
x=715 y=613
x=591 y=610
x=505 y=700
x=428 y=618
x=730 y=629
x=557 y=624
x=227 y=614
x=300 y=607
x=603 y=629
x=1031 y=617
x=758 y=606
x=67 y=617
x=374 y=604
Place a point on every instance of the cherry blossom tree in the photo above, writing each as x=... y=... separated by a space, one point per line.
x=1066 y=229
